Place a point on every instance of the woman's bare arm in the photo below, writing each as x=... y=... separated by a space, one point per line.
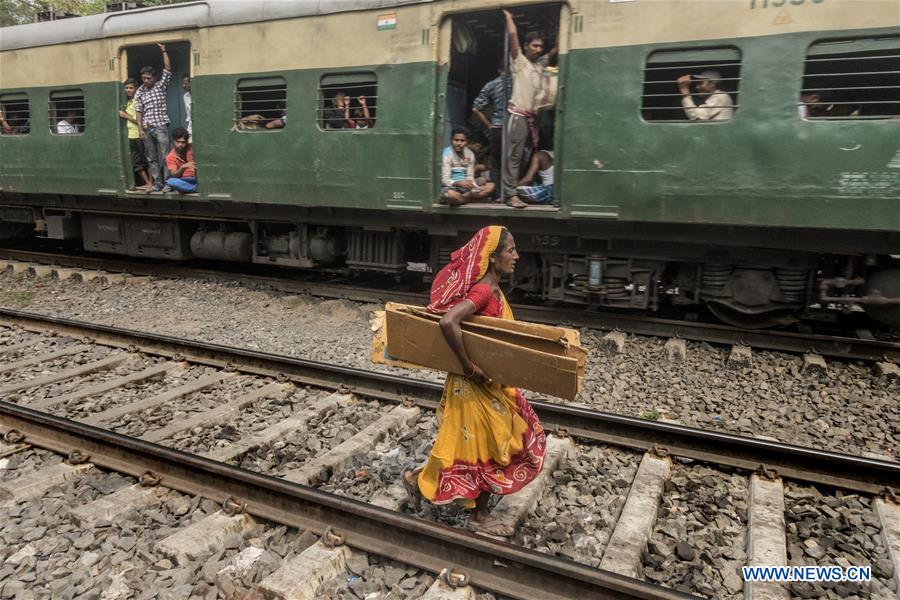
x=450 y=327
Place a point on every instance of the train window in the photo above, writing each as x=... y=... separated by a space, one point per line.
x=260 y=104
x=852 y=79
x=16 y=114
x=348 y=101
x=67 y=115
x=710 y=76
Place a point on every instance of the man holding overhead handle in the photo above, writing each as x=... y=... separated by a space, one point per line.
x=152 y=117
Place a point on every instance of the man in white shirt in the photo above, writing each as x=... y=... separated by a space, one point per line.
x=69 y=124
x=186 y=84
x=717 y=106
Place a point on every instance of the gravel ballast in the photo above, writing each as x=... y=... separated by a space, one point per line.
x=846 y=409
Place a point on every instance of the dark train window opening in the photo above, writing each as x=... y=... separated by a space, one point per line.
x=852 y=79
x=260 y=104
x=16 y=114
x=347 y=101
x=66 y=111
x=662 y=100
x=149 y=55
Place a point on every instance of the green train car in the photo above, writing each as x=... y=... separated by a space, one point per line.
x=789 y=206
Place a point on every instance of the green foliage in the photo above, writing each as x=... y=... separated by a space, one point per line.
x=650 y=415
x=18 y=12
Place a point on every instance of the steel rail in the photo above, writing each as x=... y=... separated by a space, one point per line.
x=827 y=345
x=496 y=566
x=795 y=462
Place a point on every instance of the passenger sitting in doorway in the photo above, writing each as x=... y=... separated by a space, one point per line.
x=135 y=143
x=68 y=125
x=542 y=167
x=481 y=149
x=180 y=162
x=186 y=84
x=717 y=105
x=458 y=173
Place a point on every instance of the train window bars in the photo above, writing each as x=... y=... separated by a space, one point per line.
x=347 y=101
x=851 y=79
x=16 y=114
x=260 y=104
x=662 y=101
x=66 y=112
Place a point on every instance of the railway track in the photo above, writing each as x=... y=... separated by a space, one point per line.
x=319 y=448
x=858 y=346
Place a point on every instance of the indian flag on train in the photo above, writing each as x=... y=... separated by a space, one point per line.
x=387 y=21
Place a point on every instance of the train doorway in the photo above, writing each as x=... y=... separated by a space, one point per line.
x=133 y=59
x=478 y=57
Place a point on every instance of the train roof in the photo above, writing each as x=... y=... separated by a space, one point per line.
x=204 y=13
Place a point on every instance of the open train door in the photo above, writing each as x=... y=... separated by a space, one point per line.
x=132 y=59
x=474 y=51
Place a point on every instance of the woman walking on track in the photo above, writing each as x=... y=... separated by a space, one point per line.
x=490 y=440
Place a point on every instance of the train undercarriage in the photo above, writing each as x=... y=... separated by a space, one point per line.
x=743 y=286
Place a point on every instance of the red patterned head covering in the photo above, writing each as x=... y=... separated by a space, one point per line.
x=467 y=265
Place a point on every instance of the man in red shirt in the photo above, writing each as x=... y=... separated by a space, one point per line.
x=180 y=163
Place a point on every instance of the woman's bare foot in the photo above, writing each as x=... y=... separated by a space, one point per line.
x=411 y=483
x=489 y=524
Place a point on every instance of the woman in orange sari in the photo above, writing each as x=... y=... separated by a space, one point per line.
x=490 y=440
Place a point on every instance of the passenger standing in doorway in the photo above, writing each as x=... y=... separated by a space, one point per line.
x=526 y=67
x=186 y=84
x=153 y=118
x=135 y=143
x=494 y=94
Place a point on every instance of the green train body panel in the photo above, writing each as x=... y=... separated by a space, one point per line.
x=765 y=167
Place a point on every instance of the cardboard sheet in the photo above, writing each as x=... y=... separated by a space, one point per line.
x=539 y=358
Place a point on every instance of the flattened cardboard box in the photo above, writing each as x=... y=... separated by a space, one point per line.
x=539 y=358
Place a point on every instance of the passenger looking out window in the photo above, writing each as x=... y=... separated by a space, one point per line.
x=458 y=173
x=818 y=105
x=15 y=126
x=341 y=115
x=181 y=165
x=527 y=67
x=152 y=117
x=186 y=85
x=716 y=104
x=135 y=143
x=281 y=121
x=540 y=169
x=68 y=125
